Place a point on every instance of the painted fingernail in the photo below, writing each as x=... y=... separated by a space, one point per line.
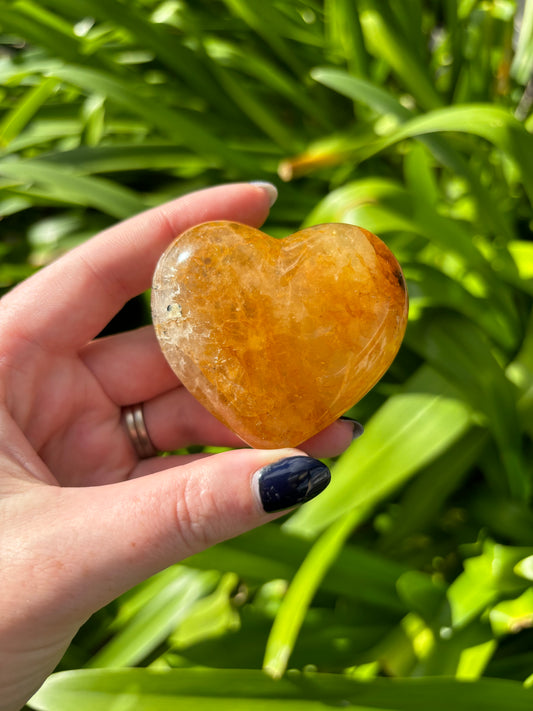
x=290 y=482
x=358 y=428
x=270 y=189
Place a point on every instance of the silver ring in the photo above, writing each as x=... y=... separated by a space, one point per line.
x=133 y=418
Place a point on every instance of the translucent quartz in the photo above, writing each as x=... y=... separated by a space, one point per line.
x=278 y=338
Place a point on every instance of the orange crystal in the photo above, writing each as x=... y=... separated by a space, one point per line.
x=278 y=338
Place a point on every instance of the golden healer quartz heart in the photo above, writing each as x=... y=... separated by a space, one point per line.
x=278 y=338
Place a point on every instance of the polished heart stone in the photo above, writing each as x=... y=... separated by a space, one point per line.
x=278 y=338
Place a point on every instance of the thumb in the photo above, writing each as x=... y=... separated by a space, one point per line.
x=76 y=549
x=120 y=534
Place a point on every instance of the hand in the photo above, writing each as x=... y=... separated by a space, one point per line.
x=81 y=519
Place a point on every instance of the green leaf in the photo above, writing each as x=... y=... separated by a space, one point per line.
x=387 y=41
x=463 y=653
x=15 y=120
x=205 y=689
x=522 y=253
x=430 y=288
x=273 y=26
x=266 y=73
x=269 y=553
x=505 y=519
x=170 y=50
x=421 y=177
x=512 y=616
x=40 y=133
x=41 y=27
x=139 y=100
x=248 y=101
x=493 y=123
x=522 y=66
x=421 y=594
x=407 y=432
x=425 y=497
x=486 y=578
x=345 y=36
x=458 y=349
x=155 y=620
x=121 y=157
x=507 y=132
x=209 y=616
x=304 y=585
x=66 y=186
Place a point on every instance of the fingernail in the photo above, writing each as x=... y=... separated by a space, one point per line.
x=358 y=428
x=270 y=189
x=291 y=481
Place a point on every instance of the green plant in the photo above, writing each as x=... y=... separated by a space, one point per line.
x=413 y=120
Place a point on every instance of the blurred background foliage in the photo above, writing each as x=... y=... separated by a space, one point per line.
x=412 y=574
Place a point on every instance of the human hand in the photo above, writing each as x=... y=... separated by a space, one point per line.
x=83 y=519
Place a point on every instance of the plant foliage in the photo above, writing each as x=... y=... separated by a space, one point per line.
x=411 y=119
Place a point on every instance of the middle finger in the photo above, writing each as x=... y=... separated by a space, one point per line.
x=129 y=366
x=176 y=419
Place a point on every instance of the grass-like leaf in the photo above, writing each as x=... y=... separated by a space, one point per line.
x=70 y=188
x=206 y=689
x=391 y=451
x=154 y=622
x=413 y=120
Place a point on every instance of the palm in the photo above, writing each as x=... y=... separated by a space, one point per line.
x=81 y=439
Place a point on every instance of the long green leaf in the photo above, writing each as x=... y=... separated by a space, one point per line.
x=155 y=620
x=184 y=63
x=522 y=66
x=303 y=587
x=381 y=101
x=16 y=120
x=408 y=431
x=138 y=99
x=127 y=157
x=388 y=42
x=205 y=689
x=426 y=496
x=70 y=188
x=274 y=27
x=458 y=349
x=492 y=123
x=260 y=113
x=270 y=553
x=345 y=36
x=43 y=29
x=249 y=61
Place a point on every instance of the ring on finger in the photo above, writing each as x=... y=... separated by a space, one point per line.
x=133 y=418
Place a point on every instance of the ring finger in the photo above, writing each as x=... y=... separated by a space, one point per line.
x=176 y=419
x=129 y=366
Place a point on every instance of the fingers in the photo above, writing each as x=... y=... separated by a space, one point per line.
x=122 y=533
x=176 y=419
x=333 y=440
x=130 y=367
x=67 y=304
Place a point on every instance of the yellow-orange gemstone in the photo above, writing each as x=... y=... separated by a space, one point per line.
x=278 y=338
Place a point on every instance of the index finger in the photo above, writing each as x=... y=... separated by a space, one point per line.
x=69 y=302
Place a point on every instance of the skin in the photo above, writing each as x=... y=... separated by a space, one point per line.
x=82 y=520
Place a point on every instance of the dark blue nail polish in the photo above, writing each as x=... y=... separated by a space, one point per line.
x=291 y=481
x=358 y=428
